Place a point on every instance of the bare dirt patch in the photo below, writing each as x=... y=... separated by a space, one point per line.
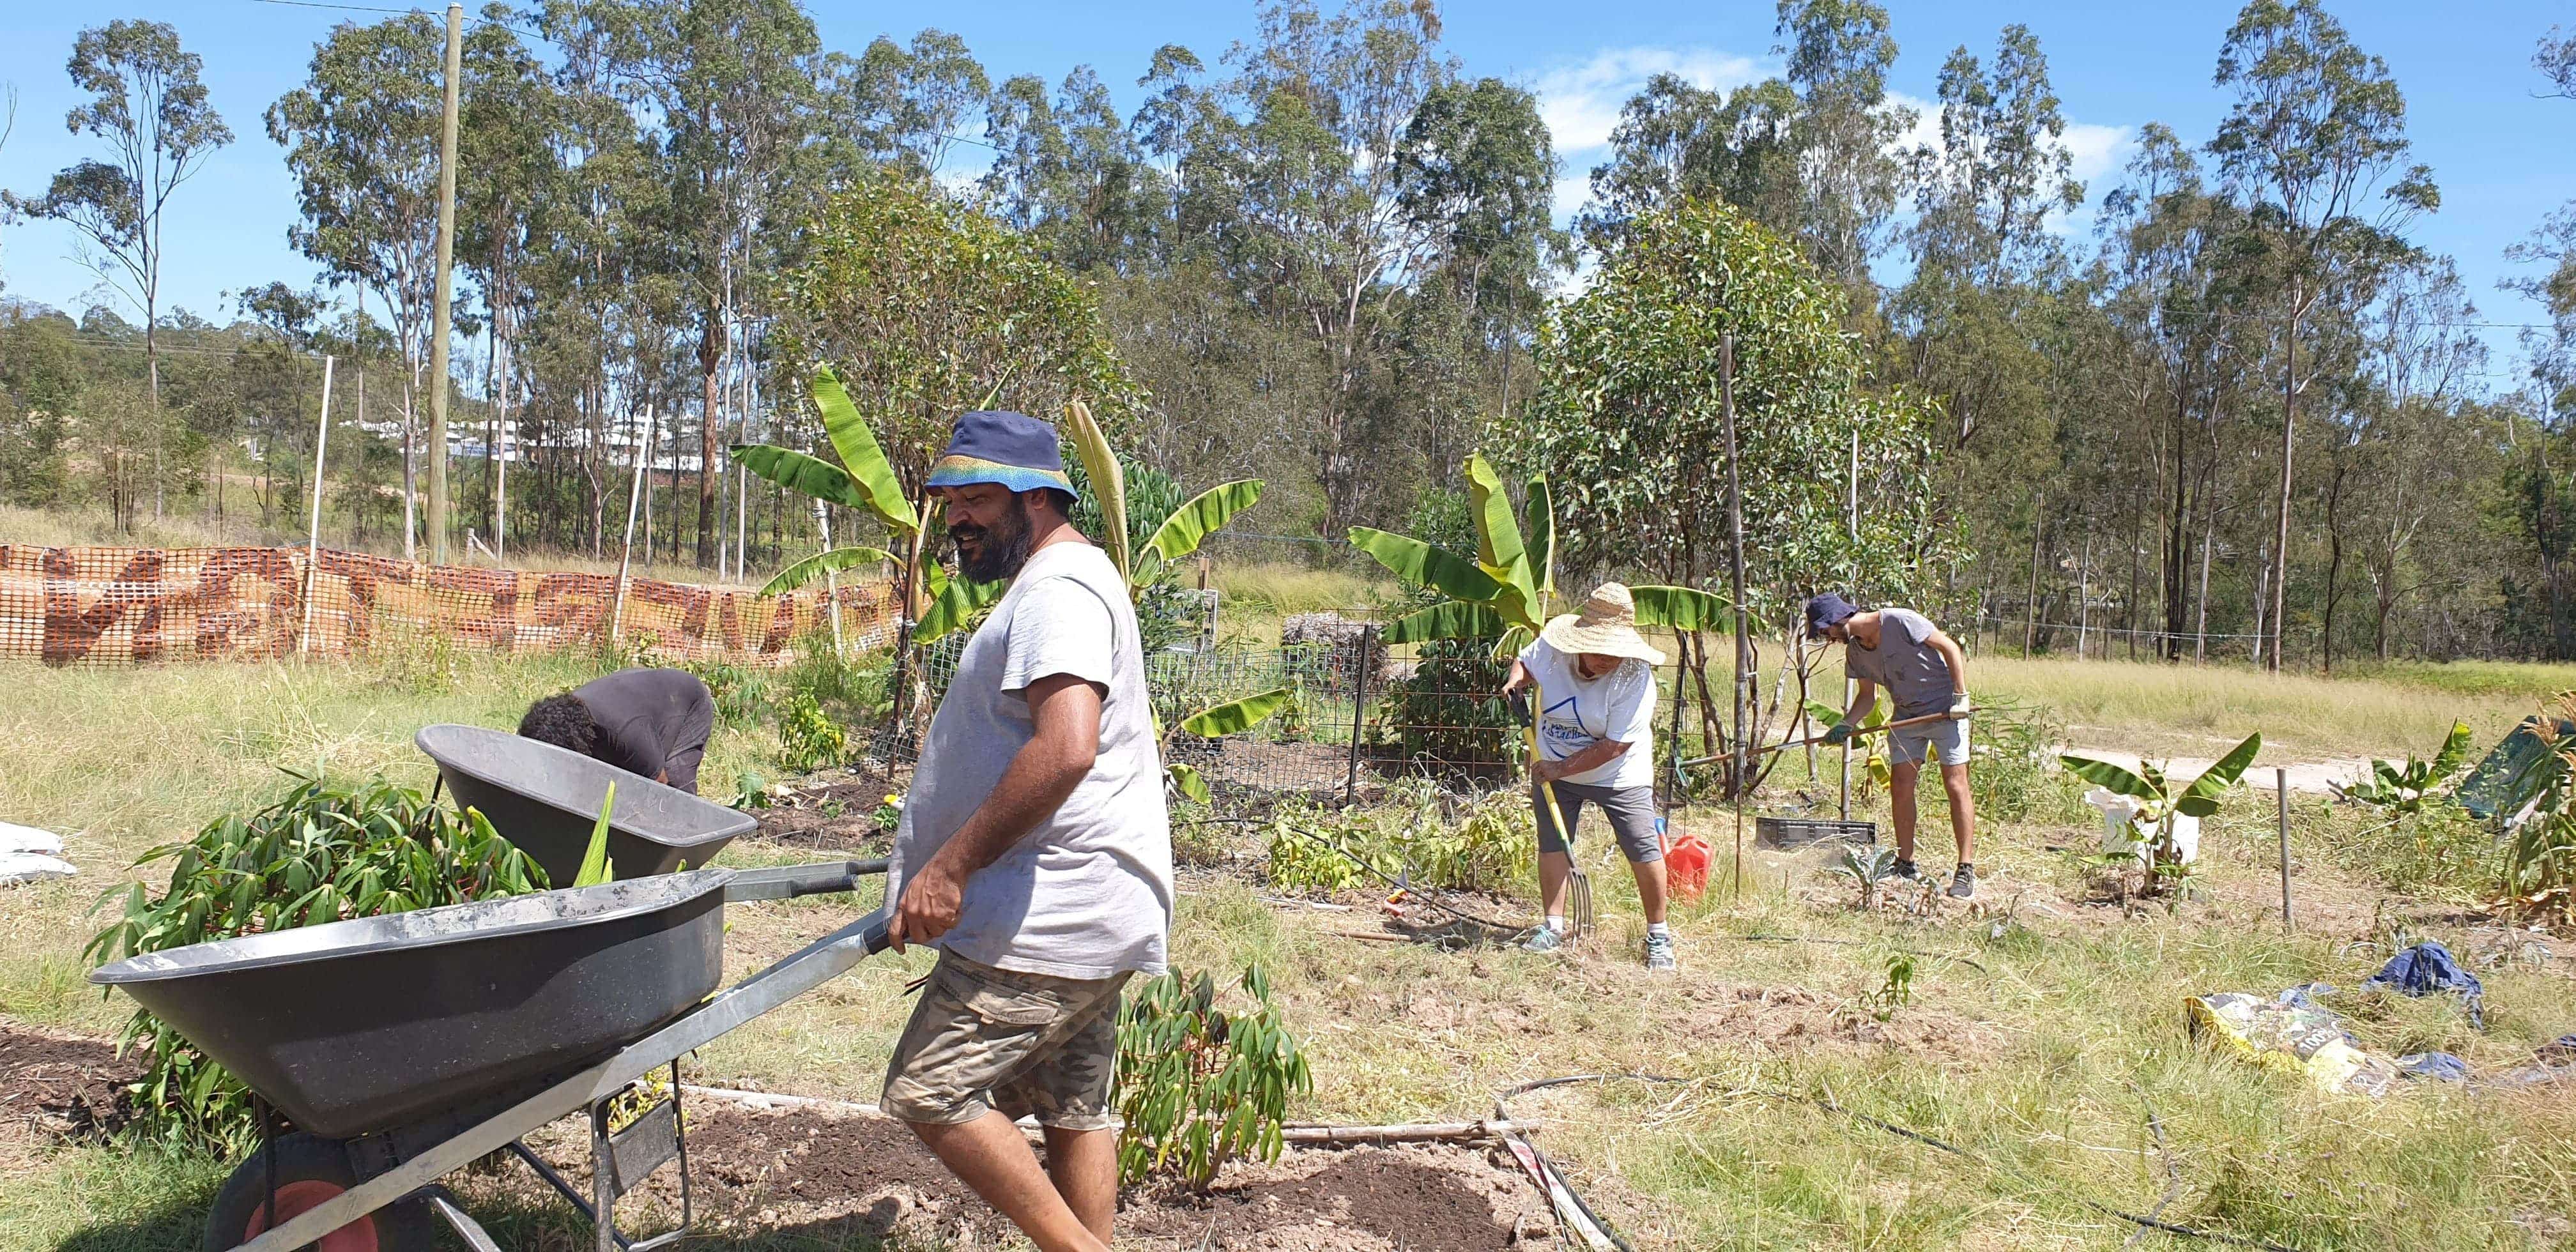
x=836 y=815
x=62 y=1087
x=838 y=1176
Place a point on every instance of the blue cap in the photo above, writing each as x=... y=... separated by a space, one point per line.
x=1827 y=610
x=1014 y=450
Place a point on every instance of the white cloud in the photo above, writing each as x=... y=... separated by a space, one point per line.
x=2098 y=150
x=1581 y=102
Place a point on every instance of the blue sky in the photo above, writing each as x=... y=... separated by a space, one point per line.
x=2501 y=155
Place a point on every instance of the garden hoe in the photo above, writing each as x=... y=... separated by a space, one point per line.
x=1784 y=745
x=1578 y=885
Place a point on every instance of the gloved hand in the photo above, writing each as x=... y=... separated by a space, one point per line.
x=1959 y=707
x=1838 y=734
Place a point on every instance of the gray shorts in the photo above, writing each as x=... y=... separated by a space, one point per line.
x=1631 y=811
x=1909 y=745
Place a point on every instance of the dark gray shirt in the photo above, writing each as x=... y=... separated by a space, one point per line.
x=1917 y=678
x=651 y=721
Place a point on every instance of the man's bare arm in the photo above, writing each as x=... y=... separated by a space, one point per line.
x=1864 y=694
x=1040 y=777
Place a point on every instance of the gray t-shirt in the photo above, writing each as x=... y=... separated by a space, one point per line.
x=1087 y=893
x=1917 y=679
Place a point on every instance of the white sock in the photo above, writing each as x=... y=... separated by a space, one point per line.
x=1556 y=922
x=1659 y=930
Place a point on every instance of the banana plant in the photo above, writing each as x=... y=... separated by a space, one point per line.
x=866 y=481
x=1177 y=536
x=2401 y=791
x=1875 y=770
x=2197 y=799
x=1507 y=591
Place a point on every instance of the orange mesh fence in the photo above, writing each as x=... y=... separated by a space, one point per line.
x=114 y=606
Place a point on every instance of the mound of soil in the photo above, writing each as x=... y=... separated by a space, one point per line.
x=837 y=817
x=836 y=1177
x=63 y=1087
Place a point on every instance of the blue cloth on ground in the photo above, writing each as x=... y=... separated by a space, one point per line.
x=2441 y=1065
x=2429 y=967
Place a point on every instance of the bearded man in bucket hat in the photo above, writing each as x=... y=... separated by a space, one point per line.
x=1596 y=680
x=1034 y=851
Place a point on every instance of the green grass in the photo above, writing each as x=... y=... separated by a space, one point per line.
x=1256 y=594
x=2046 y=1064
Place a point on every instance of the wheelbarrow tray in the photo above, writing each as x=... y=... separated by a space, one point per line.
x=545 y=799
x=354 y=1027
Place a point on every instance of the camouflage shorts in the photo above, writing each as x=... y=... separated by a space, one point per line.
x=984 y=1038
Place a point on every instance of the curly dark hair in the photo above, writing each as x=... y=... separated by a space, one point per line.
x=562 y=720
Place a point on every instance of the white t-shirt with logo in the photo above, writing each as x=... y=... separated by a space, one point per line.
x=1087 y=893
x=1575 y=713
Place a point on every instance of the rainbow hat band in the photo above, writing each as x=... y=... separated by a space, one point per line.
x=1012 y=449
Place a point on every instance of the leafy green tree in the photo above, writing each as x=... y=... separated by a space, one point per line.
x=908 y=105
x=149 y=108
x=2316 y=135
x=1628 y=426
x=1839 y=54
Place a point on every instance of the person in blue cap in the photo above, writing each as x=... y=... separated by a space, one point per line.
x=1925 y=672
x=1034 y=850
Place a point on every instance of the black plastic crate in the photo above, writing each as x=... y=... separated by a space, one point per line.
x=1798 y=832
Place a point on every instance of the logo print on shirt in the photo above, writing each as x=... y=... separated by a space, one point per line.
x=1557 y=733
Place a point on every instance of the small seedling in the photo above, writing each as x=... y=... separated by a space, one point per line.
x=1867 y=867
x=889 y=814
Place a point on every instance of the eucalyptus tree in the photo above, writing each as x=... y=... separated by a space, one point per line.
x=1071 y=170
x=2316 y=143
x=508 y=135
x=361 y=138
x=909 y=105
x=1677 y=140
x=1629 y=425
x=1844 y=131
x=149 y=109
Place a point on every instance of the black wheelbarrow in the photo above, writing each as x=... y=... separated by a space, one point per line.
x=404 y=1047
x=545 y=800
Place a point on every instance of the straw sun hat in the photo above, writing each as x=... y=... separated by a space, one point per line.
x=1607 y=625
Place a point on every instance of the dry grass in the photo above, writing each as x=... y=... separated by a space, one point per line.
x=2047 y=1062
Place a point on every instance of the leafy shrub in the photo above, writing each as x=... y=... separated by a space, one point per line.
x=1448 y=712
x=807 y=738
x=2440 y=852
x=2016 y=776
x=1301 y=865
x=741 y=693
x=323 y=853
x=1490 y=849
x=1199 y=1086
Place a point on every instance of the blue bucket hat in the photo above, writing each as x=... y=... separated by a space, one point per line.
x=1825 y=611
x=1013 y=450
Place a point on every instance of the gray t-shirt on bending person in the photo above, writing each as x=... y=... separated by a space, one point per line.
x=1917 y=679
x=1087 y=893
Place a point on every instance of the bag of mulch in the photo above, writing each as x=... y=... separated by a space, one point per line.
x=27 y=867
x=2291 y=1034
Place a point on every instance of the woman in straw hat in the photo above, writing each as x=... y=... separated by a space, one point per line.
x=1596 y=682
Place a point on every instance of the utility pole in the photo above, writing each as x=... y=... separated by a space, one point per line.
x=441 y=311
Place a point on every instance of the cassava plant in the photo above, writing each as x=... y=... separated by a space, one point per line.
x=1199 y=1086
x=2163 y=800
x=323 y=853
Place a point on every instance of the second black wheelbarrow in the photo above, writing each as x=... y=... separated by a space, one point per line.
x=545 y=800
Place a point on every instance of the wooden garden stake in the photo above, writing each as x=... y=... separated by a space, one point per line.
x=2281 y=788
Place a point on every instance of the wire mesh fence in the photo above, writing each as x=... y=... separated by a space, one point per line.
x=115 y=606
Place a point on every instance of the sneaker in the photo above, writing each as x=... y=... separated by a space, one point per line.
x=1542 y=939
x=1659 y=953
x=1906 y=871
x=1964 y=883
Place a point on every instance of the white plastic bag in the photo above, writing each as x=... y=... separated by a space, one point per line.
x=29 y=839
x=25 y=867
x=2124 y=835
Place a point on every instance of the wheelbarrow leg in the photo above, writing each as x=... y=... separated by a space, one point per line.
x=466 y=1228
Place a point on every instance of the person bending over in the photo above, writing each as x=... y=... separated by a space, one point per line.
x=1034 y=851
x=1596 y=679
x=1925 y=672
x=653 y=722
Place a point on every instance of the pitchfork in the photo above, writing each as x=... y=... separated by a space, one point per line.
x=1578 y=885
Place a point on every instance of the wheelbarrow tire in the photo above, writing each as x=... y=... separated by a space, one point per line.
x=311 y=1170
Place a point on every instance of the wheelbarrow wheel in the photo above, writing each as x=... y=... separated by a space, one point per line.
x=310 y=1171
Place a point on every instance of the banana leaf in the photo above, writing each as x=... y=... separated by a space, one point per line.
x=955 y=607
x=1236 y=716
x=1681 y=608
x=821 y=563
x=1453 y=619
x=2454 y=753
x=1204 y=515
x=1108 y=483
x=1542 y=535
x=881 y=493
x=802 y=474
x=2112 y=776
x=1421 y=565
x=1498 y=537
x=2200 y=799
x=1188 y=779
